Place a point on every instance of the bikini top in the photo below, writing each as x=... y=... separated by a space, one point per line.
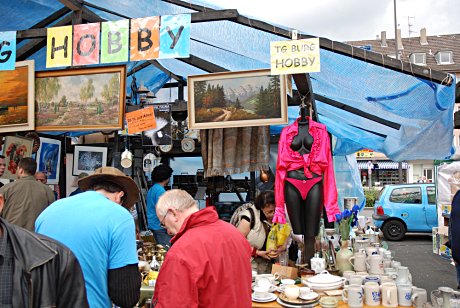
x=318 y=160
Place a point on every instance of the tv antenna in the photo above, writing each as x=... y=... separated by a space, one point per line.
x=410 y=25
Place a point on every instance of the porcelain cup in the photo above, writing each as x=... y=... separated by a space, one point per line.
x=355 y=280
x=292 y=292
x=404 y=276
x=386 y=278
x=389 y=293
x=371 y=251
x=287 y=282
x=358 y=260
x=347 y=274
x=419 y=297
x=354 y=295
x=405 y=295
x=372 y=278
x=261 y=292
x=304 y=291
x=372 y=293
x=375 y=264
x=395 y=264
x=266 y=279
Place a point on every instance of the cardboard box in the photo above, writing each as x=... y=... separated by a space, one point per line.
x=285 y=271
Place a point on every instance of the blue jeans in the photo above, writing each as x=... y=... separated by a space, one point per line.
x=162 y=237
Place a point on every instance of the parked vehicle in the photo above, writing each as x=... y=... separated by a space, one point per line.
x=405 y=208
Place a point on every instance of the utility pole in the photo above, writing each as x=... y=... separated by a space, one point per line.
x=400 y=170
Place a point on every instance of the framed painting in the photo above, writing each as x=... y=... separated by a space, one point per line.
x=15 y=148
x=161 y=135
x=87 y=159
x=235 y=99
x=80 y=99
x=17 y=98
x=49 y=158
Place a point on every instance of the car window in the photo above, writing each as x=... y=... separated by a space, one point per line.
x=431 y=193
x=406 y=195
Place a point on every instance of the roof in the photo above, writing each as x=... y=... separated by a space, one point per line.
x=365 y=100
x=436 y=43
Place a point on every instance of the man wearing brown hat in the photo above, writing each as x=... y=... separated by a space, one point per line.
x=101 y=233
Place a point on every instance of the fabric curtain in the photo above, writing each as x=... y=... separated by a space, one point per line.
x=228 y=151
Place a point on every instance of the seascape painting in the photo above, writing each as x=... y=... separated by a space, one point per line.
x=80 y=99
x=15 y=98
x=250 y=98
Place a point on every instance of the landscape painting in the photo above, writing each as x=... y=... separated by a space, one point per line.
x=17 y=98
x=80 y=99
x=234 y=99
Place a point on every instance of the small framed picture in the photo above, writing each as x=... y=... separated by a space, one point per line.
x=14 y=149
x=49 y=158
x=87 y=159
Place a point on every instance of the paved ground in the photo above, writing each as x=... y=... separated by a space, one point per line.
x=429 y=271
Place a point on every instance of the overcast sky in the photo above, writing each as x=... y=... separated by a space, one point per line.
x=346 y=20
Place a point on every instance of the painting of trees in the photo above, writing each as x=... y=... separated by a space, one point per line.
x=46 y=89
x=87 y=91
x=235 y=99
x=111 y=89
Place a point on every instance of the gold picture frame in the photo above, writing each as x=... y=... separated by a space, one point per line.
x=236 y=99
x=80 y=99
x=17 y=98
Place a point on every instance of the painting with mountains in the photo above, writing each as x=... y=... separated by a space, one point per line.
x=250 y=98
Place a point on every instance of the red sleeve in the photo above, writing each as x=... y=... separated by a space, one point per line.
x=280 y=216
x=330 y=188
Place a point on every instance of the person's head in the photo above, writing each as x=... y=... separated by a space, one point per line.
x=2 y=164
x=173 y=207
x=78 y=178
x=27 y=167
x=112 y=183
x=265 y=202
x=41 y=177
x=161 y=174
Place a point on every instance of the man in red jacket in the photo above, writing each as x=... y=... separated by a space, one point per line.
x=209 y=263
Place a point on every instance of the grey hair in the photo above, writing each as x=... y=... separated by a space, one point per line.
x=175 y=199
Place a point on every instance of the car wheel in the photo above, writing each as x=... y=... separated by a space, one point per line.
x=394 y=230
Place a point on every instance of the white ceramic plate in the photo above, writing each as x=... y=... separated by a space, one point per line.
x=279 y=301
x=271 y=298
x=325 y=278
x=318 y=287
x=310 y=296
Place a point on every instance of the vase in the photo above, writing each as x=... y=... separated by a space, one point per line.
x=342 y=258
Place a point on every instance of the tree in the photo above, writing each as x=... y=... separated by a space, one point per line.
x=237 y=103
x=87 y=91
x=46 y=90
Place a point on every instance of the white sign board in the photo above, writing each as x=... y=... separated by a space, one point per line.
x=295 y=57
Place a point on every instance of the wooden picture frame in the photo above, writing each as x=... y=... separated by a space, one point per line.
x=14 y=149
x=80 y=99
x=17 y=105
x=49 y=159
x=87 y=159
x=235 y=99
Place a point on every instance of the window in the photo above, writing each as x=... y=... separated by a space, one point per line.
x=418 y=58
x=406 y=195
x=428 y=174
x=431 y=193
x=444 y=57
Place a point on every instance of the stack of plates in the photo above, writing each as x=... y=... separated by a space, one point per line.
x=324 y=281
x=298 y=302
x=268 y=298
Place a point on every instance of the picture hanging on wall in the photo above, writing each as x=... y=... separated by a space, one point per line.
x=80 y=99
x=49 y=158
x=161 y=135
x=87 y=159
x=14 y=149
x=17 y=98
x=234 y=99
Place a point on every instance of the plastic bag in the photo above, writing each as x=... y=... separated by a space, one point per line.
x=272 y=238
x=278 y=235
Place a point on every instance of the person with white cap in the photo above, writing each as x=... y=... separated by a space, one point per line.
x=101 y=233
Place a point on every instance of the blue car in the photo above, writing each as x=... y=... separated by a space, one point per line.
x=405 y=208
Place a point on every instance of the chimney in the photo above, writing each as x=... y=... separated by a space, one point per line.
x=423 y=40
x=399 y=41
x=383 y=39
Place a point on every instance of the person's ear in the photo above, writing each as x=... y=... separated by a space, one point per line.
x=2 y=202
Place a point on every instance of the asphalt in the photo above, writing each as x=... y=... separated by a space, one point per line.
x=429 y=271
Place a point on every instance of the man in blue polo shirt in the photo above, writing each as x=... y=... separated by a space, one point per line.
x=99 y=229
